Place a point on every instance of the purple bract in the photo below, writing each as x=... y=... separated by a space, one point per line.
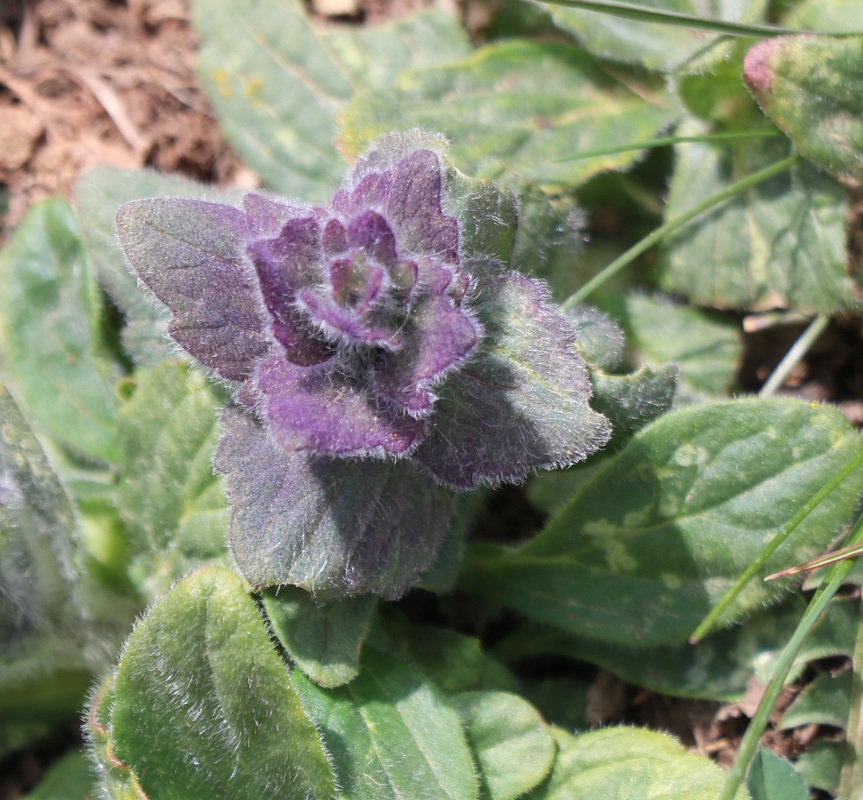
x=377 y=327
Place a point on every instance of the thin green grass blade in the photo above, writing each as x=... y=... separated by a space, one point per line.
x=679 y=221
x=640 y=14
x=709 y=137
x=719 y=609
x=825 y=593
x=851 y=774
x=797 y=351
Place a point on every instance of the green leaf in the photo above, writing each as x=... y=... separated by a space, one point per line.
x=391 y=734
x=452 y=661
x=116 y=780
x=820 y=765
x=773 y=778
x=50 y=323
x=39 y=621
x=323 y=639
x=203 y=706
x=823 y=702
x=277 y=81
x=513 y=107
x=321 y=523
x=71 y=778
x=524 y=382
x=717 y=668
x=629 y=764
x=643 y=550
x=513 y=746
x=98 y=195
x=632 y=401
x=781 y=243
x=706 y=348
x=655 y=45
x=810 y=87
x=171 y=502
x=826 y=15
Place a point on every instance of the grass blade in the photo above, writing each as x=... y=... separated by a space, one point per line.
x=679 y=221
x=825 y=593
x=640 y=14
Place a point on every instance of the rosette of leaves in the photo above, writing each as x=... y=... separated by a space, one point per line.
x=383 y=356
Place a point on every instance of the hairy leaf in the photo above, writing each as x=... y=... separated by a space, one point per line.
x=644 y=548
x=717 y=668
x=810 y=87
x=50 y=322
x=779 y=244
x=512 y=108
x=38 y=620
x=277 y=81
x=98 y=195
x=171 y=503
x=629 y=764
x=203 y=707
x=391 y=734
x=334 y=527
x=323 y=639
x=522 y=402
x=705 y=347
x=513 y=745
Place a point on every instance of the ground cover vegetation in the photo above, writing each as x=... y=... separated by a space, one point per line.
x=379 y=476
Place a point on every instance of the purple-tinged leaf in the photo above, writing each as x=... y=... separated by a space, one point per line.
x=810 y=87
x=521 y=403
x=371 y=332
x=336 y=527
x=323 y=410
x=439 y=338
x=186 y=252
x=409 y=194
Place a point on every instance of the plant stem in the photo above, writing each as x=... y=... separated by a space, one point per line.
x=797 y=351
x=825 y=593
x=640 y=14
x=661 y=142
x=679 y=221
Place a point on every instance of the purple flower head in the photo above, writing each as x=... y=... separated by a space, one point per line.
x=365 y=308
x=371 y=328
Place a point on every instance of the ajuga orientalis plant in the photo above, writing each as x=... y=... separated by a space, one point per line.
x=380 y=358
